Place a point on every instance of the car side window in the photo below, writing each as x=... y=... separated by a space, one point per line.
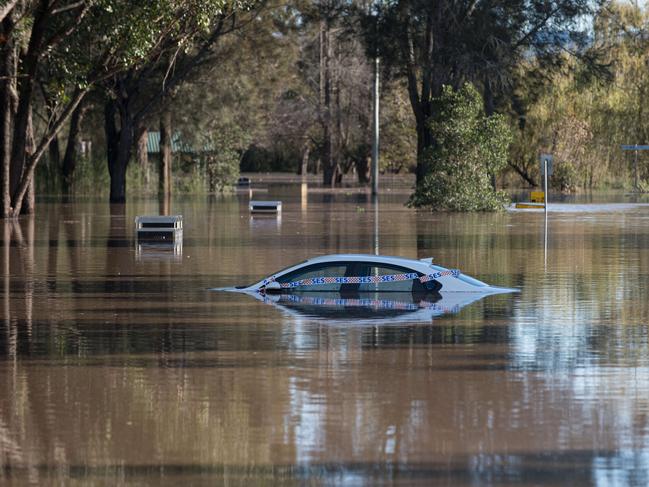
x=335 y=269
x=390 y=286
x=356 y=269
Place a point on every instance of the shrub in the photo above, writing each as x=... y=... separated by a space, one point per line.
x=221 y=160
x=469 y=149
x=564 y=177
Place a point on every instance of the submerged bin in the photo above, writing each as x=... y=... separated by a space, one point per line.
x=159 y=228
x=265 y=207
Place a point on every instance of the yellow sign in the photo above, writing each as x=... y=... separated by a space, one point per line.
x=538 y=197
x=530 y=206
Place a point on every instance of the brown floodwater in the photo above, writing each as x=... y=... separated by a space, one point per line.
x=118 y=365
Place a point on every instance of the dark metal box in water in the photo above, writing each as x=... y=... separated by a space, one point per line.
x=266 y=207
x=159 y=228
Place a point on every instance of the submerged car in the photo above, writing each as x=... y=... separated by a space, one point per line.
x=355 y=274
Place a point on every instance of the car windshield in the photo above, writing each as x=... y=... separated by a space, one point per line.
x=273 y=274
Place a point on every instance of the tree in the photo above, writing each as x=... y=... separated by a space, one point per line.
x=433 y=44
x=221 y=160
x=70 y=46
x=32 y=32
x=69 y=164
x=186 y=40
x=226 y=104
x=327 y=105
x=469 y=147
x=583 y=117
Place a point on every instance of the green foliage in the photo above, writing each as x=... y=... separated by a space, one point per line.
x=279 y=157
x=564 y=177
x=583 y=120
x=191 y=181
x=221 y=162
x=398 y=130
x=91 y=177
x=227 y=103
x=469 y=148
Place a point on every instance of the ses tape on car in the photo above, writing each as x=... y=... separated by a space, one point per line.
x=318 y=281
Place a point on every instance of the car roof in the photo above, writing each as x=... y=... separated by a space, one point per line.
x=387 y=259
x=417 y=265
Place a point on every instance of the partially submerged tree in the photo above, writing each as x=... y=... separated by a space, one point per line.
x=469 y=147
x=70 y=47
x=186 y=40
x=57 y=43
x=32 y=33
x=222 y=156
x=224 y=106
x=328 y=105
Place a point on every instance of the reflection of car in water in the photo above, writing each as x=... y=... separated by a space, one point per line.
x=354 y=285
x=369 y=308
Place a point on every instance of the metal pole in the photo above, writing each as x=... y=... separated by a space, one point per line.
x=375 y=135
x=545 y=242
x=545 y=207
x=545 y=183
x=375 y=200
x=635 y=171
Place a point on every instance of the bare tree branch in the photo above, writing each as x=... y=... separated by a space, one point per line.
x=7 y=8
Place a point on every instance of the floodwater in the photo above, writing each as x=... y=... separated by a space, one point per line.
x=119 y=366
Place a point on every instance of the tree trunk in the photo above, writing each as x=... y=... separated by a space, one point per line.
x=72 y=147
x=328 y=176
x=489 y=108
x=7 y=79
x=421 y=91
x=29 y=64
x=304 y=165
x=164 y=165
x=54 y=153
x=424 y=142
x=118 y=173
x=164 y=181
x=329 y=171
x=29 y=202
x=26 y=180
x=110 y=131
x=119 y=144
x=142 y=152
x=362 y=165
x=523 y=174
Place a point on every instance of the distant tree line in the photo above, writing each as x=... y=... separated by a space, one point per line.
x=261 y=85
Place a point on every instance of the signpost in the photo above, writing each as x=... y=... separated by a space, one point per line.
x=546 y=170
x=635 y=148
